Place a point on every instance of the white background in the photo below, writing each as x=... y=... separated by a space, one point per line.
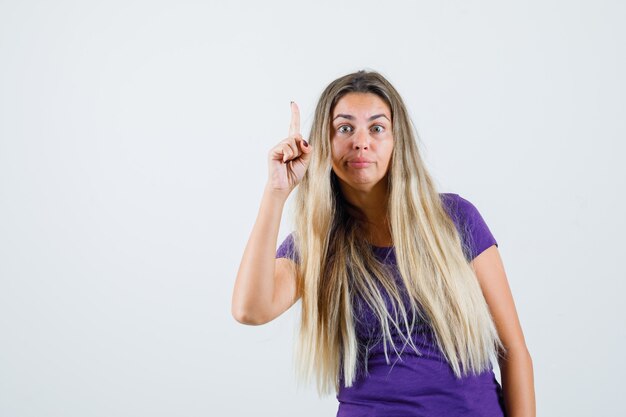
x=133 y=145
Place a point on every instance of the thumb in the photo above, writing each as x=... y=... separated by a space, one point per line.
x=306 y=150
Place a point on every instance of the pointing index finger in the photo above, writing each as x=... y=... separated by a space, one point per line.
x=294 y=127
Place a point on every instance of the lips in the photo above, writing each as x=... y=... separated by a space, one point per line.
x=359 y=163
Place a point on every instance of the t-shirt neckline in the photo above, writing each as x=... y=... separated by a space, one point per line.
x=380 y=247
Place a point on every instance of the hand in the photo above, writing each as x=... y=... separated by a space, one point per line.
x=289 y=160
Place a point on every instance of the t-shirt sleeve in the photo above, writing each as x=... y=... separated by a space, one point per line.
x=474 y=231
x=287 y=249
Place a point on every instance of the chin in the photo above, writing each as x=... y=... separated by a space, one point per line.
x=362 y=185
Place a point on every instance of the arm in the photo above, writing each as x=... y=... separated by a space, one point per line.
x=516 y=367
x=254 y=286
x=265 y=287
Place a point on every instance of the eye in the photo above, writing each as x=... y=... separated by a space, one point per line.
x=378 y=128
x=344 y=129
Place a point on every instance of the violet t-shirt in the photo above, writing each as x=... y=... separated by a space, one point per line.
x=415 y=385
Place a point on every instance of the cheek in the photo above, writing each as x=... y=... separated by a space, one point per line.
x=389 y=154
x=335 y=151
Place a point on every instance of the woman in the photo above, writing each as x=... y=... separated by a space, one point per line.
x=405 y=302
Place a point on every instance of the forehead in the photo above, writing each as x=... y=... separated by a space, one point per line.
x=361 y=105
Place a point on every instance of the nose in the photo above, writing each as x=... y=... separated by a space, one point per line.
x=361 y=140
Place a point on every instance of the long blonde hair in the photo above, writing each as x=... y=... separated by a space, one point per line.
x=336 y=262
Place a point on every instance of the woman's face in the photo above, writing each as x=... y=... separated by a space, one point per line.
x=361 y=140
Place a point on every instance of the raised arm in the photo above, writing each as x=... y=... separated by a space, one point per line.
x=265 y=286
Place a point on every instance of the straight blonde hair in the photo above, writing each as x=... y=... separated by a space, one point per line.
x=336 y=262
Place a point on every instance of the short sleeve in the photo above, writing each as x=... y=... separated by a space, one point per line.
x=287 y=249
x=475 y=233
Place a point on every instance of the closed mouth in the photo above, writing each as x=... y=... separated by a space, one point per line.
x=359 y=164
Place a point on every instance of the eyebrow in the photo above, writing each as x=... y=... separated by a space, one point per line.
x=350 y=117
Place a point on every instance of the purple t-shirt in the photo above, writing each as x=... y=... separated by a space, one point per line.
x=415 y=385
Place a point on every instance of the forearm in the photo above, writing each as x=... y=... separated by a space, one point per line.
x=516 y=372
x=254 y=286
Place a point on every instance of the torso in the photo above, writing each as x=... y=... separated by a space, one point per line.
x=410 y=384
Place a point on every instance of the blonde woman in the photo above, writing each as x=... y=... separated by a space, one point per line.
x=405 y=302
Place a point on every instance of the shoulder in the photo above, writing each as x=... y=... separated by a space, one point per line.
x=455 y=200
x=459 y=207
x=475 y=233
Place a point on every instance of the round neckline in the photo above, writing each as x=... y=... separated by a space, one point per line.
x=381 y=247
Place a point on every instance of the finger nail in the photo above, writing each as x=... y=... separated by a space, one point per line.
x=305 y=143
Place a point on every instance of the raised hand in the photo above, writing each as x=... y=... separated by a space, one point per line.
x=289 y=159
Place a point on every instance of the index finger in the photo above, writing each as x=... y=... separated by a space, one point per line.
x=294 y=127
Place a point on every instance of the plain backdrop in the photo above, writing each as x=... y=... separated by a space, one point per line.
x=133 y=154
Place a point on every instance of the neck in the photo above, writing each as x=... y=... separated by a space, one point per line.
x=373 y=203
